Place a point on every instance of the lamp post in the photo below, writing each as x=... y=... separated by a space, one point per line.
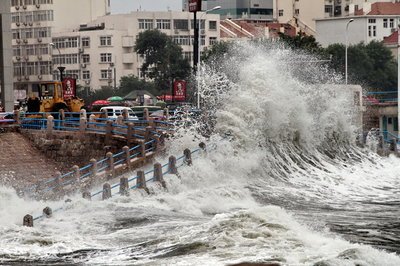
x=347 y=43
x=398 y=80
x=199 y=52
x=60 y=68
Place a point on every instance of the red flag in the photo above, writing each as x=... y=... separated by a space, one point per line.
x=69 y=87
x=180 y=90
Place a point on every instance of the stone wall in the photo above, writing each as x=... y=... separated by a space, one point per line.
x=71 y=148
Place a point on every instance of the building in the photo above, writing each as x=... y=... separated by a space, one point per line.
x=99 y=53
x=94 y=46
x=372 y=22
x=256 y=10
x=34 y=22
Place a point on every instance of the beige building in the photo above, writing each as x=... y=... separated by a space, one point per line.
x=99 y=53
x=93 y=46
x=34 y=22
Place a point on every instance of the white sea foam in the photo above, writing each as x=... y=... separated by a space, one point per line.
x=277 y=143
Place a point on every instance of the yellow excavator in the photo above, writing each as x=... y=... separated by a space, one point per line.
x=54 y=96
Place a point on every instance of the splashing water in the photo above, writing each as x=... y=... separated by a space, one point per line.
x=281 y=181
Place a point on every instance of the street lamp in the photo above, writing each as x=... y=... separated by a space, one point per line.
x=60 y=68
x=347 y=43
x=199 y=51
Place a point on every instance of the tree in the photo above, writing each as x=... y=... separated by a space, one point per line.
x=218 y=51
x=371 y=65
x=301 y=41
x=163 y=59
x=130 y=83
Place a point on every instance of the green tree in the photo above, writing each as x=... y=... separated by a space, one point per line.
x=163 y=59
x=371 y=65
x=130 y=83
x=217 y=51
x=301 y=41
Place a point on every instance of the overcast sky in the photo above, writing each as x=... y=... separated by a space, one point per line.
x=126 y=6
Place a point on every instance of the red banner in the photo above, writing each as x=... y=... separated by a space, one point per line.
x=179 y=90
x=194 y=5
x=69 y=87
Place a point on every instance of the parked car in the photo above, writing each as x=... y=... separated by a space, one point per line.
x=139 y=110
x=114 y=111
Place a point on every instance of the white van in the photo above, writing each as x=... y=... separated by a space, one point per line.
x=114 y=111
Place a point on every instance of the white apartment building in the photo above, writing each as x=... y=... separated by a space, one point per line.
x=34 y=22
x=372 y=22
x=99 y=53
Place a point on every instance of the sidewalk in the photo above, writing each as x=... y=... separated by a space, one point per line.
x=22 y=165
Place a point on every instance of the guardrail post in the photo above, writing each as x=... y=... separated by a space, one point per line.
x=141 y=181
x=394 y=142
x=93 y=169
x=146 y=115
x=92 y=119
x=120 y=120
x=147 y=134
x=17 y=117
x=381 y=141
x=158 y=175
x=123 y=186
x=57 y=183
x=87 y=195
x=202 y=146
x=188 y=157
x=62 y=114
x=127 y=157
x=28 y=220
x=82 y=125
x=76 y=175
x=110 y=168
x=48 y=212
x=83 y=113
x=129 y=135
x=106 y=191
x=109 y=128
x=143 y=149
x=172 y=165
x=50 y=124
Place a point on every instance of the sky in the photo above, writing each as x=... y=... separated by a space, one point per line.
x=126 y=6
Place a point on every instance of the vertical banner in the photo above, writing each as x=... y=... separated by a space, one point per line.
x=69 y=87
x=194 y=5
x=179 y=90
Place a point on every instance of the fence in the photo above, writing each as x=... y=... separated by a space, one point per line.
x=122 y=188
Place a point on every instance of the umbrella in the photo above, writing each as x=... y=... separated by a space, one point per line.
x=101 y=102
x=115 y=99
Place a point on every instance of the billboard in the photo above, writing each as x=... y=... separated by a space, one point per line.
x=69 y=88
x=194 y=5
x=179 y=90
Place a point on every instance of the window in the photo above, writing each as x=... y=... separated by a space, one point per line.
x=212 y=25
x=213 y=40
x=105 y=41
x=182 y=40
x=85 y=42
x=71 y=42
x=65 y=59
x=163 y=24
x=105 y=57
x=85 y=58
x=395 y=124
x=85 y=74
x=385 y=23
x=389 y=120
x=328 y=9
x=105 y=73
x=391 y=23
x=297 y=12
x=145 y=24
x=280 y=12
x=372 y=20
x=371 y=31
x=181 y=24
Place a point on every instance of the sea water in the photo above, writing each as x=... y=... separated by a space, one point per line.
x=281 y=180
